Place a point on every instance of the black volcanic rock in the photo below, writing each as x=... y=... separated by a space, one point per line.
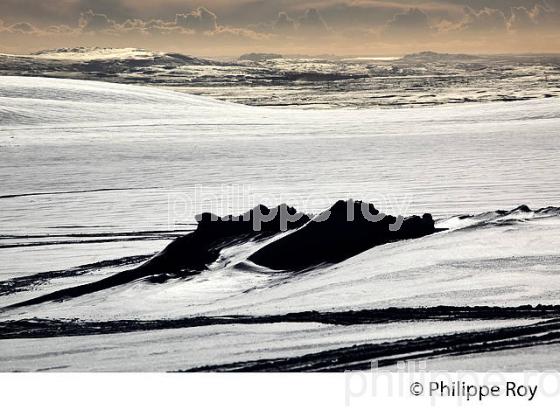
x=346 y=229
x=191 y=253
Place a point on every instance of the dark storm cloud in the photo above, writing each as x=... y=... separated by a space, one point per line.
x=484 y=20
x=341 y=15
x=312 y=21
x=90 y=21
x=284 y=23
x=241 y=13
x=523 y=18
x=116 y=9
x=60 y=11
x=503 y=5
x=305 y=24
x=200 y=19
x=412 y=24
x=542 y=15
x=30 y=10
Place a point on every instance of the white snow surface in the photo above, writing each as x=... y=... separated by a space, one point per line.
x=95 y=53
x=92 y=158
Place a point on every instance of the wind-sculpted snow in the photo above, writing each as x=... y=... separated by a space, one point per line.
x=493 y=258
x=44 y=102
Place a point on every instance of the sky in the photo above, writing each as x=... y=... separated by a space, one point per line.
x=231 y=27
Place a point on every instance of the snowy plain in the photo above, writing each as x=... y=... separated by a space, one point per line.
x=93 y=171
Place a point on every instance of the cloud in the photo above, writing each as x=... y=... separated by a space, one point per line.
x=522 y=19
x=306 y=26
x=18 y=28
x=312 y=22
x=90 y=21
x=284 y=23
x=23 y=28
x=484 y=21
x=196 y=29
x=117 y=9
x=60 y=29
x=199 y=20
x=541 y=16
x=411 y=24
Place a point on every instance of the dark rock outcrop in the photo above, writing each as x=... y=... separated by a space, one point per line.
x=190 y=254
x=345 y=230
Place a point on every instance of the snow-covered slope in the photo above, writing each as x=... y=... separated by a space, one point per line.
x=96 y=53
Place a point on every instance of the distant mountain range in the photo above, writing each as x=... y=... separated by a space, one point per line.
x=433 y=56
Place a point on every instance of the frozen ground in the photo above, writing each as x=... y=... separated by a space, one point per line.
x=165 y=350
x=312 y=82
x=94 y=173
